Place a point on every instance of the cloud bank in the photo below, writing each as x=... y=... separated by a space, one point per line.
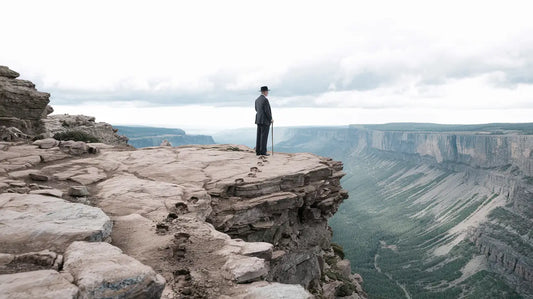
x=474 y=55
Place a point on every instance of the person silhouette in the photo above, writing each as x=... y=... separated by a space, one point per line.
x=263 y=119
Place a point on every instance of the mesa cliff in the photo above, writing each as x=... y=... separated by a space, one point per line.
x=467 y=192
x=94 y=220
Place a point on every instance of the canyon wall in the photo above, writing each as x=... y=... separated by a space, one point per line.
x=473 y=186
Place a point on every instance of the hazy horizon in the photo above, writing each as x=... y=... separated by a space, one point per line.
x=200 y=65
x=191 y=131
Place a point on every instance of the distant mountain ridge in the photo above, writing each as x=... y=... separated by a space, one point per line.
x=492 y=128
x=141 y=136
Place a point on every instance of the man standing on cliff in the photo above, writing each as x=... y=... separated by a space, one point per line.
x=263 y=119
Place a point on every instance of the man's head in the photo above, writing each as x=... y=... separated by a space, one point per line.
x=264 y=90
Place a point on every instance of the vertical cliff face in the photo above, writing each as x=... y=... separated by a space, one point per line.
x=473 y=150
x=455 y=204
x=290 y=212
x=21 y=105
x=502 y=163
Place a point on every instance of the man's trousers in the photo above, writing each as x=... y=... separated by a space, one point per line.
x=262 y=139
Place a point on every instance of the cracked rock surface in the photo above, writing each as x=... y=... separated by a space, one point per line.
x=185 y=222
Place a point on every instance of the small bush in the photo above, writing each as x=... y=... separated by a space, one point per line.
x=76 y=136
x=346 y=289
x=233 y=149
x=331 y=260
x=332 y=275
x=338 y=250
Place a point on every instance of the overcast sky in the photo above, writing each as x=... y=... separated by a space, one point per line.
x=198 y=65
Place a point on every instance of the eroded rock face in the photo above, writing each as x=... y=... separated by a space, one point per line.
x=104 y=132
x=21 y=105
x=162 y=200
x=505 y=258
x=290 y=212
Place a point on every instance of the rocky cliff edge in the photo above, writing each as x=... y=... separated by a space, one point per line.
x=93 y=220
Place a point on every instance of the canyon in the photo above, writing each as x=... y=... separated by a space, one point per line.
x=434 y=211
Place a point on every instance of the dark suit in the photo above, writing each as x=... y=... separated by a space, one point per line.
x=263 y=118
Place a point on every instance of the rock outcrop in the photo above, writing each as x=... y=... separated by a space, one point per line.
x=210 y=221
x=21 y=105
x=103 y=132
x=24 y=115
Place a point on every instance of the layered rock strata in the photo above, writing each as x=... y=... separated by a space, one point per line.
x=200 y=221
x=500 y=162
x=21 y=105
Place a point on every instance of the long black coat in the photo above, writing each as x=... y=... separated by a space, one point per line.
x=264 y=114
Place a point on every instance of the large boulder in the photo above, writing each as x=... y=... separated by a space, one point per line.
x=101 y=270
x=45 y=284
x=34 y=222
x=21 y=105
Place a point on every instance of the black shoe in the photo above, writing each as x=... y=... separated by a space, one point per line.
x=266 y=155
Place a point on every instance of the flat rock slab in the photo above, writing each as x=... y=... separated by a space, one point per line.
x=89 y=176
x=277 y=290
x=34 y=222
x=261 y=250
x=264 y=289
x=45 y=284
x=127 y=194
x=243 y=269
x=101 y=270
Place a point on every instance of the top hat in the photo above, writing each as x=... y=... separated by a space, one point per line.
x=264 y=88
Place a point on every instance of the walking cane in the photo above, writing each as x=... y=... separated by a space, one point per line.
x=272 y=139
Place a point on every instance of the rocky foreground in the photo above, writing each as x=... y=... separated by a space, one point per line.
x=92 y=221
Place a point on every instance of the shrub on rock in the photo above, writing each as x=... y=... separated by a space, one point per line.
x=76 y=136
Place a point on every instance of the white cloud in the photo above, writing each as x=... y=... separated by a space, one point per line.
x=369 y=55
